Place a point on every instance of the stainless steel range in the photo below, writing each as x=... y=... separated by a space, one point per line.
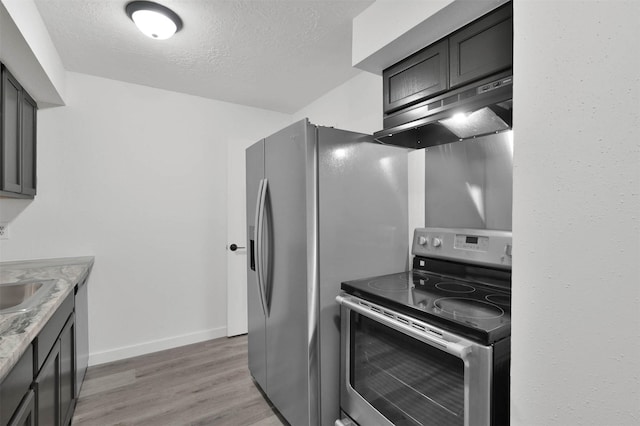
x=431 y=346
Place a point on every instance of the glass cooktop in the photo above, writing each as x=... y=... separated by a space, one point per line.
x=474 y=310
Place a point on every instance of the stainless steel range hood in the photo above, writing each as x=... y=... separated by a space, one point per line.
x=477 y=109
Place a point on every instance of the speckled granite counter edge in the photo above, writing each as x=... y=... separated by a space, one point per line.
x=17 y=330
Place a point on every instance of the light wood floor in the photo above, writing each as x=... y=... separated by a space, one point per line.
x=202 y=384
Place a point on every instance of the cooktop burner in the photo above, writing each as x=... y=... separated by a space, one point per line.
x=460 y=307
x=390 y=283
x=476 y=310
x=454 y=287
x=499 y=299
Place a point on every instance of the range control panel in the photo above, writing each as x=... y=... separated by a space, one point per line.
x=477 y=246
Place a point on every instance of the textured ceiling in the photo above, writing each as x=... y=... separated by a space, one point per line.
x=273 y=54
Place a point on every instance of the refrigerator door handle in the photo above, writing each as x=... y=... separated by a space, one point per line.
x=265 y=260
x=256 y=233
x=259 y=223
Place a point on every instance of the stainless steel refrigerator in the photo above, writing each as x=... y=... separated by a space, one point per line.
x=323 y=206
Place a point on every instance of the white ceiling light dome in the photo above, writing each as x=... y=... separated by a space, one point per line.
x=153 y=19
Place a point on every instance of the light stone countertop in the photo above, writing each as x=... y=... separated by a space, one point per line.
x=17 y=330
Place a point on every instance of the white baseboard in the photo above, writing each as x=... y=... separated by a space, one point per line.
x=155 y=346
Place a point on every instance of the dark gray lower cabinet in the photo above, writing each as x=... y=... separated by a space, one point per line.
x=82 y=333
x=54 y=384
x=67 y=370
x=26 y=413
x=47 y=386
x=15 y=387
x=40 y=390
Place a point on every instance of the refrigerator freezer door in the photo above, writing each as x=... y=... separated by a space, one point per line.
x=286 y=169
x=256 y=318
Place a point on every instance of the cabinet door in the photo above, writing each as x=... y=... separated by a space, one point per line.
x=81 y=328
x=48 y=389
x=482 y=48
x=67 y=370
x=15 y=385
x=416 y=78
x=26 y=413
x=11 y=175
x=28 y=139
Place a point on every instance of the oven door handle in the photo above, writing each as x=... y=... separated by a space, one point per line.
x=459 y=350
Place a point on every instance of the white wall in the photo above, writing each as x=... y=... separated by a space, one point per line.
x=576 y=214
x=355 y=105
x=137 y=177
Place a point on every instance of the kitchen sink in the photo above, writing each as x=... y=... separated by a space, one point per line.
x=23 y=295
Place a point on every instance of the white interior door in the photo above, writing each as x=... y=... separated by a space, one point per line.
x=236 y=234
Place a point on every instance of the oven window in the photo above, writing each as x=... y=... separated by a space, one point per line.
x=408 y=381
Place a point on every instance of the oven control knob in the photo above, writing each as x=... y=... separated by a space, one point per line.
x=437 y=242
x=422 y=240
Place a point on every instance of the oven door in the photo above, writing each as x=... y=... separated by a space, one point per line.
x=396 y=370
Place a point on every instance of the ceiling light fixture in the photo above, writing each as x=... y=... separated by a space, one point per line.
x=153 y=19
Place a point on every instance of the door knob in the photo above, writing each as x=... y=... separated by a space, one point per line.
x=234 y=247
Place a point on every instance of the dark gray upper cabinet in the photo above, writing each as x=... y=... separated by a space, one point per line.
x=419 y=76
x=11 y=147
x=28 y=127
x=482 y=48
x=17 y=139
